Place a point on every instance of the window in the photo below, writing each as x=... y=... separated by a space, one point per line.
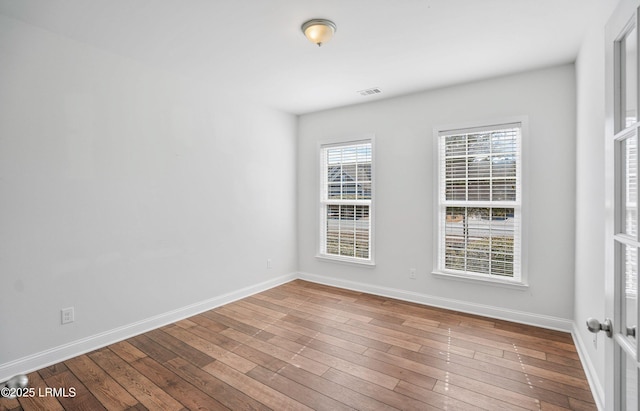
x=479 y=213
x=346 y=201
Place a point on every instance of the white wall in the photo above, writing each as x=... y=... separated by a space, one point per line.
x=403 y=129
x=127 y=192
x=590 y=198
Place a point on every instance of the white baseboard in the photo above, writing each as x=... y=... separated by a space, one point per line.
x=64 y=352
x=592 y=376
x=554 y=323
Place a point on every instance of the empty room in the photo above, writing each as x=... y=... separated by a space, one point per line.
x=294 y=205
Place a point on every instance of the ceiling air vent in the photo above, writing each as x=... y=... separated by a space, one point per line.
x=370 y=91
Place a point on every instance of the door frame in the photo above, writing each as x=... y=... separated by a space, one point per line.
x=621 y=21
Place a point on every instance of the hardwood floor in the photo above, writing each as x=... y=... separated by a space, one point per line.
x=304 y=346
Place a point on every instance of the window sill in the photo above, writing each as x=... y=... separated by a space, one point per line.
x=345 y=260
x=515 y=285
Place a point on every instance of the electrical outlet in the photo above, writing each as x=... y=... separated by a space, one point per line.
x=595 y=341
x=269 y=263
x=68 y=315
x=412 y=273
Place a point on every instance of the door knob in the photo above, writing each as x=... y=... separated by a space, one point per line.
x=595 y=326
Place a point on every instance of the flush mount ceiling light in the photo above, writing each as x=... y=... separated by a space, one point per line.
x=319 y=31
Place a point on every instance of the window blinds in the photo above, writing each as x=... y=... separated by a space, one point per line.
x=479 y=197
x=346 y=200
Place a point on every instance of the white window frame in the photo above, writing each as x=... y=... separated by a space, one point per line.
x=324 y=201
x=519 y=280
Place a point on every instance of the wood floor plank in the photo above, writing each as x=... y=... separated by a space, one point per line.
x=344 y=335
x=207 y=323
x=529 y=330
x=251 y=354
x=301 y=307
x=567 y=362
x=357 y=370
x=330 y=293
x=523 y=342
x=549 y=381
x=263 y=322
x=389 y=397
x=177 y=387
x=229 y=396
x=126 y=351
x=368 y=333
x=287 y=356
x=306 y=334
x=276 y=305
x=547 y=364
x=151 y=348
x=180 y=348
x=480 y=400
x=268 y=396
x=238 y=325
x=579 y=405
x=215 y=351
x=558 y=377
x=141 y=387
x=466 y=377
x=110 y=394
x=314 y=307
x=54 y=369
x=440 y=401
x=302 y=346
x=338 y=392
x=545 y=406
x=9 y=404
x=257 y=310
x=400 y=373
x=310 y=398
x=441 y=341
x=475 y=339
x=72 y=393
x=39 y=402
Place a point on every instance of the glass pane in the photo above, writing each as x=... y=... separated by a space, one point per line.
x=630 y=294
x=630 y=383
x=349 y=191
x=478 y=144
x=348 y=229
x=334 y=191
x=503 y=190
x=480 y=240
x=504 y=141
x=629 y=154
x=362 y=231
x=629 y=97
x=349 y=154
x=479 y=190
x=455 y=145
x=503 y=165
x=348 y=172
x=455 y=238
x=456 y=190
x=334 y=173
x=479 y=166
x=455 y=167
x=333 y=229
x=364 y=172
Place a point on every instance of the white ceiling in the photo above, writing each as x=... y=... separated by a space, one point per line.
x=256 y=48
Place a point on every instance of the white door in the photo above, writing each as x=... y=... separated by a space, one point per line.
x=623 y=241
